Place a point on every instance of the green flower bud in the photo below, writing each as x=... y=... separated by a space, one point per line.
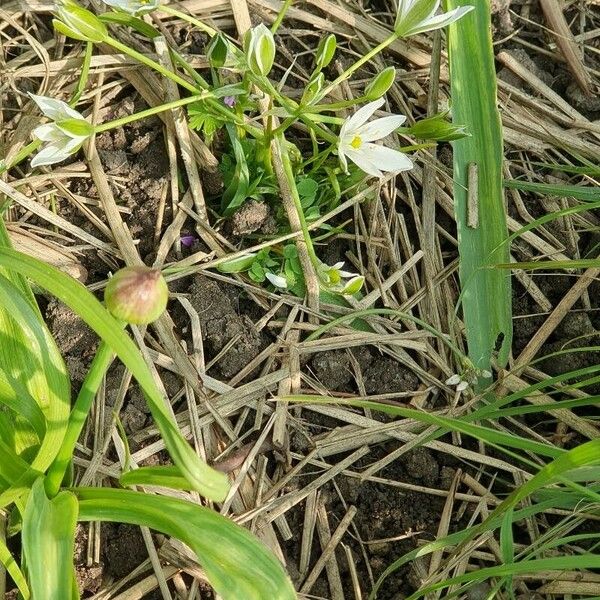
x=79 y=23
x=313 y=88
x=217 y=50
x=381 y=84
x=438 y=128
x=353 y=286
x=325 y=51
x=259 y=47
x=136 y=295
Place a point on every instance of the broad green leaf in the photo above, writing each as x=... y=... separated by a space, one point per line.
x=205 y=480
x=237 y=565
x=31 y=362
x=486 y=293
x=48 y=539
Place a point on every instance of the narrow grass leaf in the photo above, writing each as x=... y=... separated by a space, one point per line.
x=48 y=539
x=12 y=568
x=587 y=194
x=237 y=564
x=480 y=214
x=163 y=476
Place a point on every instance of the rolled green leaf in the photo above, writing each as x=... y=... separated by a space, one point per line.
x=48 y=539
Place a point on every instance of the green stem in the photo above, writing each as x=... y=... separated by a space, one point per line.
x=289 y=174
x=357 y=65
x=280 y=16
x=21 y=155
x=85 y=70
x=317 y=108
x=292 y=107
x=152 y=64
x=79 y=414
x=169 y=10
x=149 y=112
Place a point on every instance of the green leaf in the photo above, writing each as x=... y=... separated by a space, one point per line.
x=486 y=293
x=48 y=539
x=12 y=568
x=237 y=565
x=205 y=480
x=587 y=194
x=163 y=476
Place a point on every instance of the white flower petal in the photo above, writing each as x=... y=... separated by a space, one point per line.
x=362 y=160
x=380 y=128
x=387 y=159
x=277 y=280
x=49 y=133
x=49 y=155
x=359 y=118
x=55 y=109
x=462 y=386
x=441 y=20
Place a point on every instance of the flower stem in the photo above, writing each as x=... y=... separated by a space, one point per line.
x=149 y=112
x=185 y=17
x=293 y=190
x=152 y=64
x=280 y=16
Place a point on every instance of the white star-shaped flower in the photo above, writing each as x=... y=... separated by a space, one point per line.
x=63 y=136
x=417 y=16
x=357 y=137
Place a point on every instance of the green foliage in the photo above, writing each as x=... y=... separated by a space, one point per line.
x=236 y=564
x=481 y=222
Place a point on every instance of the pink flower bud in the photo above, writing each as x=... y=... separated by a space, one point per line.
x=136 y=295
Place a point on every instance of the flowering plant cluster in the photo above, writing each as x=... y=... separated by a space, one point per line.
x=363 y=138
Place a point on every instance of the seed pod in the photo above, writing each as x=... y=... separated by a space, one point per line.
x=136 y=295
x=381 y=84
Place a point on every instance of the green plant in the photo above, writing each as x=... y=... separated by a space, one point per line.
x=38 y=431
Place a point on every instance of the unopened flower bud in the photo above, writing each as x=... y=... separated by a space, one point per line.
x=136 y=295
x=325 y=51
x=218 y=50
x=438 y=128
x=259 y=47
x=381 y=84
x=79 y=23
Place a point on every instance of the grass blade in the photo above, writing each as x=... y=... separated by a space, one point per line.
x=486 y=293
x=237 y=565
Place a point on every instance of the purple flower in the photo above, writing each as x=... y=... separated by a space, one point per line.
x=188 y=240
x=229 y=101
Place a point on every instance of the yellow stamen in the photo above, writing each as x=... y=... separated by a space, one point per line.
x=356 y=143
